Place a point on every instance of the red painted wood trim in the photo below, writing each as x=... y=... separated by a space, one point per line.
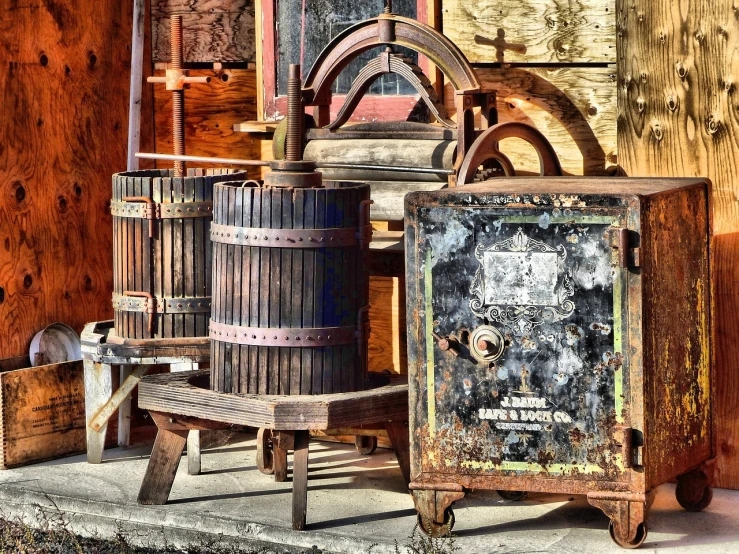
x=388 y=108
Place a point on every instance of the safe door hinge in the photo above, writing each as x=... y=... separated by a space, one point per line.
x=624 y=254
x=630 y=444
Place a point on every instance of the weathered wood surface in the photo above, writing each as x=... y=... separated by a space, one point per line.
x=174 y=394
x=173 y=263
x=213 y=31
x=287 y=288
x=211 y=110
x=387 y=343
x=678 y=117
x=532 y=31
x=64 y=93
x=42 y=413
x=574 y=107
x=160 y=472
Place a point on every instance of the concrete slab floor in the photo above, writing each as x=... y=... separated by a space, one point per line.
x=354 y=501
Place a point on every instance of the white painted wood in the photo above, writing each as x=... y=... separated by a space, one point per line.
x=98 y=389
x=124 y=412
x=102 y=416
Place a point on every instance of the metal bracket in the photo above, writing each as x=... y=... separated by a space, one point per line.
x=619 y=239
x=139 y=301
x=623 y=436
x=290 y=337
x=338 y=237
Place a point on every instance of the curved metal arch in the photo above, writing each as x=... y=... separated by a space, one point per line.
x=384 y=64
x=387 y=29
x=486 y=148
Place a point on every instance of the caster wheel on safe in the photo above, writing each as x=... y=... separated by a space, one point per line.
x=265 y=458
x=692 y=496
x=641 y=535
x=514 y=496
x=365 y=445
x=433 y=529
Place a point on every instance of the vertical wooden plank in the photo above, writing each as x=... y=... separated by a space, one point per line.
x=200 y=260
x=288 y=385
x=98 y=389
x=263 y=296
x=216 y=361
x=177 y=255
x=157 y=277
x=117 y=253
x=228 y=283
x=254 y=286
x=131 y=257
x=238 y=195
x=340 y=315
x=162 y=467
x=319 y=275
x=308 y=384
x=188 y=256
x=352 y=290
x=245 y=291
x=328 y=302
x=275 y=283
x=208 y=189
x=167 y=256
x=297 y=298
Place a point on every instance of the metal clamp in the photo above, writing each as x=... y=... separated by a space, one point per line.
x=142 y=207
x=139 y=301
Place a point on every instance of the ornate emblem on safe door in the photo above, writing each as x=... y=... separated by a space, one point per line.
x=521 y=283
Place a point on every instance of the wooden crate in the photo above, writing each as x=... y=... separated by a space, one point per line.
x=42 y=411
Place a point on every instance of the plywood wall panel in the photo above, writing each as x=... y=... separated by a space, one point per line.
x=211 y=110
x=679 y=116
x=532 y=31
x=213 y=31
x=574 y=107
x=62 y=134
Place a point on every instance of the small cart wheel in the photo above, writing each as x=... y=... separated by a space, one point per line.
x=433 y=529
x=641 y=535
x=514 y=496
x=265 y=459
x=365 y=445
x=691 y=498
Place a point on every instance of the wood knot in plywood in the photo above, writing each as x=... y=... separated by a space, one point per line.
x=641 y=105
x=657 y=131
x=713 y=125
x=699 y=36
x=673 y=103
x=681 y=70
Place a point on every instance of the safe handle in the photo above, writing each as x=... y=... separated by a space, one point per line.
x=447 y=344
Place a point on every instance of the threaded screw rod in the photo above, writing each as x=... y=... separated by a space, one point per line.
x=178 y=96
x=295 y=111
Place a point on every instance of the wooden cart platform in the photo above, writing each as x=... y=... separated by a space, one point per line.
x=181 y=402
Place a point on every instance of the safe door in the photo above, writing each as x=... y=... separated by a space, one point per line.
x=519 y=364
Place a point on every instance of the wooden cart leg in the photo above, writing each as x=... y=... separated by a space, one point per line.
x=124 y=412
x=98 y=389
x=282 y=441
x=160 y=473
x=300 y=479
x=628 y=515
x=194 y=466
x=397 y=432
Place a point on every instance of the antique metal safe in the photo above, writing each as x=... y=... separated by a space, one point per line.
x=558 y=341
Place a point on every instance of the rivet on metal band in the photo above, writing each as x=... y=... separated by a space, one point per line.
x=281 y=336
x=285 y=238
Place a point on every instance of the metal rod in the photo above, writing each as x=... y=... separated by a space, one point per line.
x=178 y=96
x=260 y=163
x=200 y=159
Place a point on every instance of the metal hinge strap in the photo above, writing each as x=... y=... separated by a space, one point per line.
x=623 y=436
x=133 y=301
x=619 y=241
x=290 y=337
